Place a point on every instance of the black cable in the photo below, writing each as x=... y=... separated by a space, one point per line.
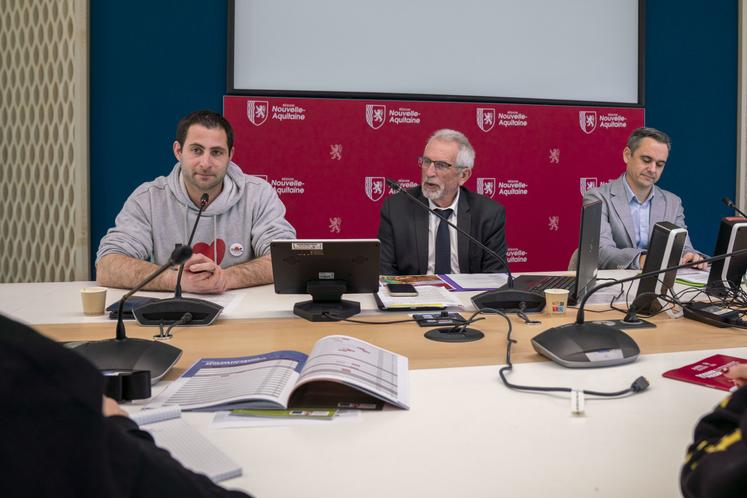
x=728 y=302
x=366 y=322
x=522 y=314
x=676 y=299
x=612 y=301
x=639 y=385
x=526 y=318
x=631 y=304
x=337 y=318
x=165 y=335
x=457 y=328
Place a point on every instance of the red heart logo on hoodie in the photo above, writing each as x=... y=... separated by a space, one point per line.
x=218 y=247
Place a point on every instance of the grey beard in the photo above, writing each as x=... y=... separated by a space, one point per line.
x=433 y=196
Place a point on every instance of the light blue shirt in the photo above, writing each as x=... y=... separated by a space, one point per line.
x=641 y=214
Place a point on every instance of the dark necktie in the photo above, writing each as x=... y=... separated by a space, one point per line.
x=443 y=243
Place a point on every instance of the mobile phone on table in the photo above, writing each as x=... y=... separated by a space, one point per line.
x=404 y=290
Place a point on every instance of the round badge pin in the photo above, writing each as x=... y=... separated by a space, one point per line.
x=236 y=249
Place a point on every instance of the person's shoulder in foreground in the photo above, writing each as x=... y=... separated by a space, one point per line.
x=406 y=234
x=716 y=461
x=241 y=215
x=62 y=438
x=632 y=204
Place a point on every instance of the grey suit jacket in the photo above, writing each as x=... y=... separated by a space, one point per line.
x=617 y=238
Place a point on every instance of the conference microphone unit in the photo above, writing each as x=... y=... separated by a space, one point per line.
x=183 y=310
x=591 y=345
x=510 y=299
x=123 y=355
x=730 y=203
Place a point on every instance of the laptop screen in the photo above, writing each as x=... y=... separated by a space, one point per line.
x=588 y=248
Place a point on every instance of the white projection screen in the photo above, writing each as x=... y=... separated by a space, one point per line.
x=525 y=50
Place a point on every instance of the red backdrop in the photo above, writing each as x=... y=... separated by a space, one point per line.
x=327 y=159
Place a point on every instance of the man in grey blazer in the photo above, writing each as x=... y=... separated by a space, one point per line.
x=633 y=204
x=414 y=242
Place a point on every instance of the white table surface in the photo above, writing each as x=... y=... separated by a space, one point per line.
x=59 y=302
x=469 y=436
x=466 y=434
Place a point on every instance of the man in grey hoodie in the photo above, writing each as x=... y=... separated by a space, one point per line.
x=232 y=241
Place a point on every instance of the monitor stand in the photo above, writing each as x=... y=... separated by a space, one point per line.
x=327 y=304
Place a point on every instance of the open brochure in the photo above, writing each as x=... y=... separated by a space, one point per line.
x=340 y=372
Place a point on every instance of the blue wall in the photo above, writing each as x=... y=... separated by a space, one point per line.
x=152 y=62
x=691 y=93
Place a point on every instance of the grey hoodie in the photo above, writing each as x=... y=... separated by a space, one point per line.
x=235 y=227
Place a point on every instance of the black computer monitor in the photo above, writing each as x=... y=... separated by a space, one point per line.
x=326 y=269
x=588 y=249
x=726 y=275
x=664 y=251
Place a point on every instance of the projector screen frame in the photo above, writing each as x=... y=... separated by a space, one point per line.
x=232 y=90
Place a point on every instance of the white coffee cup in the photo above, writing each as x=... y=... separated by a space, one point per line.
x=556 y=301
x=93 y=299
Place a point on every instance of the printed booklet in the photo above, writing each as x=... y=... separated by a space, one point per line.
x=340 y=372
x=707 y=372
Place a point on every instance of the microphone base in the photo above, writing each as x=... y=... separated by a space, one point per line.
x=510 y=300
x=586 y=345
x=454 y=334
x=130 y=354
x=168 y=311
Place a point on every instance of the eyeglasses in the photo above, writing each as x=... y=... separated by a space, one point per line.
x=426 y=162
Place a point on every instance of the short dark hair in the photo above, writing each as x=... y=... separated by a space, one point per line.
x=206 y=118
x=640 y=133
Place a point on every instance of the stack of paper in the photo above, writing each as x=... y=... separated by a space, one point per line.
x=429 y=297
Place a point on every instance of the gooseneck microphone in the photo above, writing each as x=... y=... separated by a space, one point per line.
x=179 y=255
x=510 y=299
x=129 y=354
x=203 y=202
x=729 y=203
x=585 y=345
x=178 y=309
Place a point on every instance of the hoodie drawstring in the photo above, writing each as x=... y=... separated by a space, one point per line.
x=215 y=240
x=186 y=224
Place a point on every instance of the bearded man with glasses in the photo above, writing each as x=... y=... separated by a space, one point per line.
x=415 y=242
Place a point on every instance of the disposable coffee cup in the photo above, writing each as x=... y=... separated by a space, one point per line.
x=556 y=301
x=93 y=299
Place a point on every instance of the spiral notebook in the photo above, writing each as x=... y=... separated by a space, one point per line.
x=186 y=445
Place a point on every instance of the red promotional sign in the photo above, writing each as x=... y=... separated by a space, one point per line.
x=327 y=160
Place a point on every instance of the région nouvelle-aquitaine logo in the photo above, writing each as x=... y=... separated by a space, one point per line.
x=257 y=111
x=375 y=187
x=587 y=120
x=375 y=115
x=587 y=183
x=486 y=187
x=485 y=118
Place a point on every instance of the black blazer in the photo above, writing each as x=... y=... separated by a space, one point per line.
x=56 y=441
x=403 y=232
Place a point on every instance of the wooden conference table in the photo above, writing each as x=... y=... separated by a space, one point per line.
x=466 y=434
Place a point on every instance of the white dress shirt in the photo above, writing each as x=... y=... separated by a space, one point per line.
x=433 y=222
